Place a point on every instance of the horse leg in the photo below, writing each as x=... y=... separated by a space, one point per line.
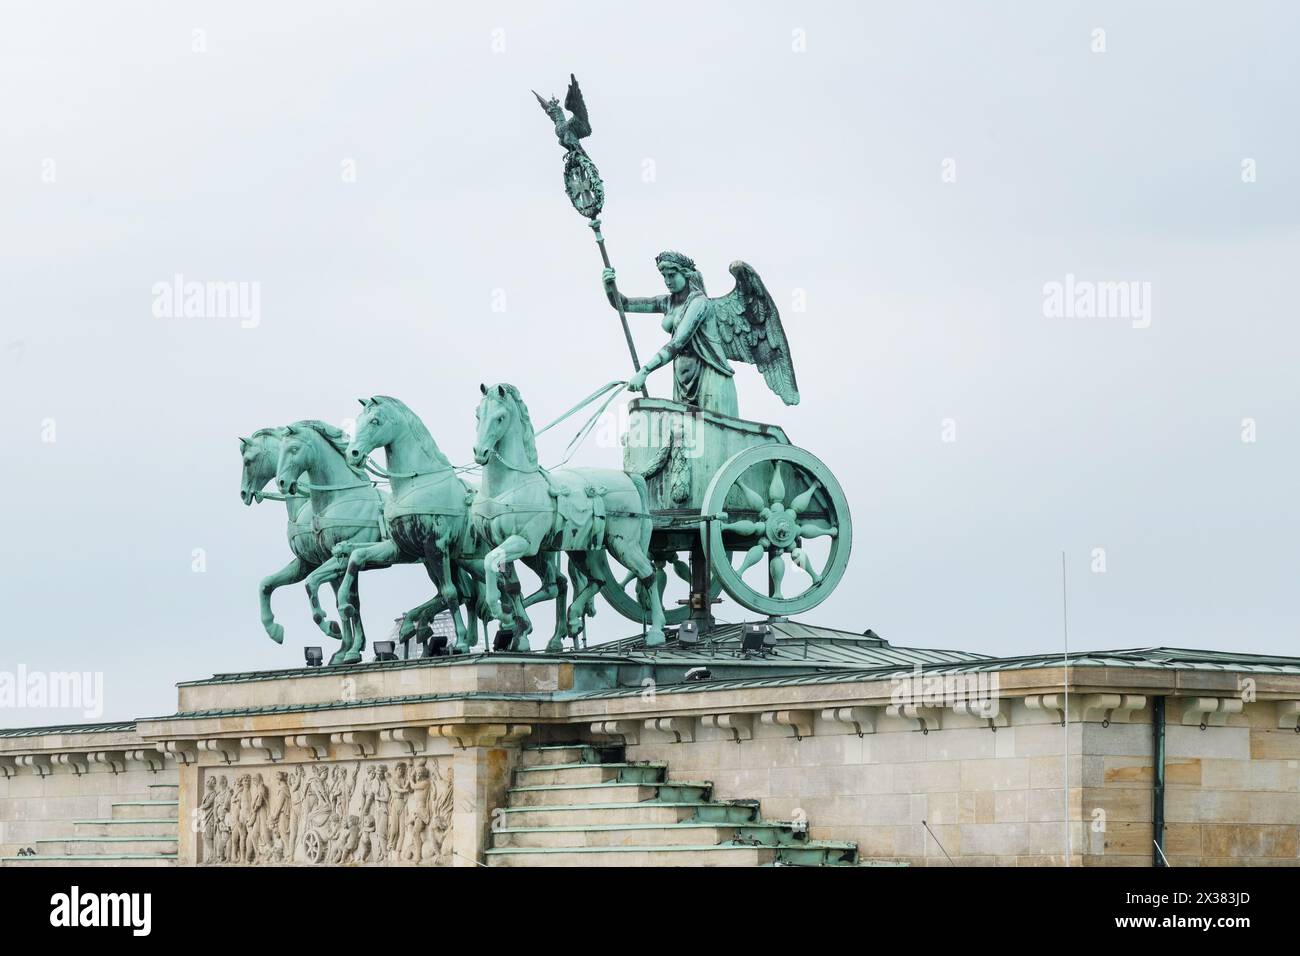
x=523 y=623
x=330 y=570
x=494 y=564
x=437 y=562
x=381 y=554
x=357 y=641
x=291 y=573
x=554 y=586
x=637 y=561
x=587 y=584
x=578 y=573
x=415 y=618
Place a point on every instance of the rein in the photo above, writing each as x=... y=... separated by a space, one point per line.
x=610 y=389
x=311 y=488
x=260 y=496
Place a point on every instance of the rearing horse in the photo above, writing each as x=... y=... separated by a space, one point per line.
x=428 y=520
x=523 y=509
x=260 y=453
x=346 y=508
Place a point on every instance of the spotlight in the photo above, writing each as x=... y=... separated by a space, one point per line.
x=698 y=673
x=385 y=651
x=757 y=637
x=435 y=646
x=688 y=632
x=503 y=639
x=313 y=655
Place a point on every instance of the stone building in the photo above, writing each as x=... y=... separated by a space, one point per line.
x=804 y=746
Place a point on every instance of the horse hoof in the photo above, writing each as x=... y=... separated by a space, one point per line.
x=337 y=658
x=276 y=633
x=554 y=645
x=335 y=632
x=654 y=637
x=352 y=657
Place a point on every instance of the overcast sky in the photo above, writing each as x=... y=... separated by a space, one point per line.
x=914 y=174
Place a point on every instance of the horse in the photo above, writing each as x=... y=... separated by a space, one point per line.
x=428 y=520
x=522 y=509
x=346 y=511
x=260 y=453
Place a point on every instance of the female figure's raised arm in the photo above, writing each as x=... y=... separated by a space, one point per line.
x=655 y=303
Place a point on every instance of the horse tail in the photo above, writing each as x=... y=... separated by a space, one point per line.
x=643 y=492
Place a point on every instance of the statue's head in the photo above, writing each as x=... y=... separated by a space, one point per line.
x=551 y=107
x=260 y=454
x=295 y=458
x=377 y=426
x=679 y=272
x=500 y=407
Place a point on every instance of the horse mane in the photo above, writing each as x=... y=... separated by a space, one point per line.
x=418 y=430
x=275 y=432
x=335 y=437
x=530 y=439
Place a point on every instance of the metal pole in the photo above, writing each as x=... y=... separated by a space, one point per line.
x=618 y=302
x=1158 y=790
x=1065 y=632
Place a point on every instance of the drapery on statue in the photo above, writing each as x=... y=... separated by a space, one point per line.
x=708 y=334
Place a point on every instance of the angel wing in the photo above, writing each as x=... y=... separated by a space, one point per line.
x=580 y=125
x=751 y=331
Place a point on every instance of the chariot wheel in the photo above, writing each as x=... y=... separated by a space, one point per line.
x=776 y=497
x=313 y=846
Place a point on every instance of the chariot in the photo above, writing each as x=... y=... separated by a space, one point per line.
x=726 y=496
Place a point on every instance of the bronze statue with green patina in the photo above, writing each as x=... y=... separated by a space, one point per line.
x=427 y=516
x=260 y=456
x=523 y=509
x=346 y=509
x=708 y=334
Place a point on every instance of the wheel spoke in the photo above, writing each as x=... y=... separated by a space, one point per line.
x=752 y=557
x=811 y=530
x=746 y=528
x=800 y=558
x=776 y=571
x=776 y=490
x=801 y=502
x=755 y=500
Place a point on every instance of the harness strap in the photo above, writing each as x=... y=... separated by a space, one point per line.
x=310 y=487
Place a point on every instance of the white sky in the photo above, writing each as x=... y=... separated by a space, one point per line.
x=821 y=168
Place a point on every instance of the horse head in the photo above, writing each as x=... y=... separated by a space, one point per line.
x=379 y=426
x=297 y=455
x=260 y=453
x=502 y=414
x=317 y=449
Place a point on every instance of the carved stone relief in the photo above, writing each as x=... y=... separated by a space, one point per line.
x=362 y=812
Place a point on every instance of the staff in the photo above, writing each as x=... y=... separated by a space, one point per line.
x=582 y=181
